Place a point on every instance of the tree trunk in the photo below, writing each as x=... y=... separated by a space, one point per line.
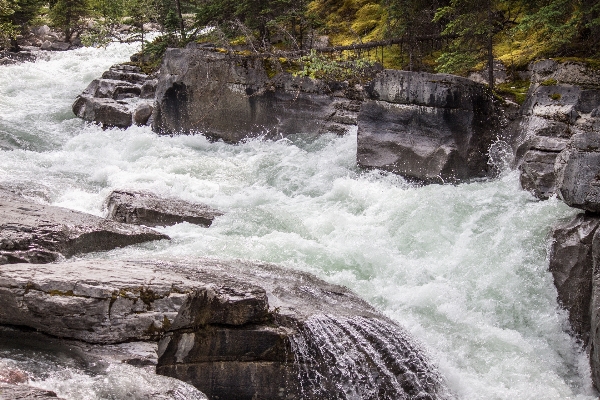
x=180 y=16
x=490 y=46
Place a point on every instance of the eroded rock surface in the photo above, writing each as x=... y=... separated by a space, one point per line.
x=116 y=100
x=562 y=102
x=234 y=329
x=578 y=172
x=571 y=265
x=429 y=127
x=31 y=232
x=145 y=208
x=232 y=98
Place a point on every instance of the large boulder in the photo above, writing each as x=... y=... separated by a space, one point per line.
x=571 y=265
x=145 y=208
x=561 y=102
x=115 y=100
x=234 y=97
x=578 y=172
x=234 y=329
x=428 y=127
x=31 y=232
x=25 y=392
x=595 y=312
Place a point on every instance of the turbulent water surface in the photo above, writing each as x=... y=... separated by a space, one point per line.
x=463 y=268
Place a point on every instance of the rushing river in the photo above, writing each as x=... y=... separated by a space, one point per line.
x=463 y=268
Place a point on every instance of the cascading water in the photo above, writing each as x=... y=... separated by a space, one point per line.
x=462 y=268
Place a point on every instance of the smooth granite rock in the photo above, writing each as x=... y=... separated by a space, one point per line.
x=31 y=232
x=578 y=172
x=594 y=350
x=427 y=127
x=145 y=208
x=234 y=329
x=571 y=265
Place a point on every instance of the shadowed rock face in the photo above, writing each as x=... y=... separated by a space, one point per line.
x=571 y=266
x=144 y=208
x=578 y=172
x=31 y=232
x=234 y=329
x=428 y=127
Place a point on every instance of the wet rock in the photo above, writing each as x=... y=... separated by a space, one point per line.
x=23 y=392
x=31 y=232
x=106 y=112
x=595 y=312
x=144 y=208
x=578 y=172
x=234 y=329
x=60 y=46
x=142 y=114
x=114 y=100
x=571 y=265
x=428 y=127
x=232 y=98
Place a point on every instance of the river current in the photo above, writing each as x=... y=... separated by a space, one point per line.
x=462 y=267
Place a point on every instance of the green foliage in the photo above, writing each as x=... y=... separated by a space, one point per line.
x=549 y=82
x=555 y=96
x=318 y=66
x=68 y=15
x=516 y=90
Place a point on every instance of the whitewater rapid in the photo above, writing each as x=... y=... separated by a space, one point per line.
x=463 y=267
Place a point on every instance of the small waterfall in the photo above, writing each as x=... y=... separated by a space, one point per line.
x=361 y=358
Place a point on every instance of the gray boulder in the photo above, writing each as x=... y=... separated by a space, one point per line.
x=233 y=329
x=428 y=127
x=595 y=312
x=571 y=265
x=114 y=100
x=25 y=392
x=106 y=112
x=144 y=208
x=232 y=98
x=577 y=172
x=31 y=232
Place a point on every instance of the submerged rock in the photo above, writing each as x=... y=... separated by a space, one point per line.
x=144 y=208
x=428 y=127
x=31 y=232
x=234 y=329
x=571 y=265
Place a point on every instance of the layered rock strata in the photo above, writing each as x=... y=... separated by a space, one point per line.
x=31 y=232
x=563 y=100
x=233 y=329
x=428 y=127
x=122 y=97
x=145 y=208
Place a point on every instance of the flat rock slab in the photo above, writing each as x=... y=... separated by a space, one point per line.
x=31 y=232
x=145 y=208
x=234 y=329
x=18 y=392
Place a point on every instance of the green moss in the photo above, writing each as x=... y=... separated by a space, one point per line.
x=549 y=82
x=592 y=63
x=61 y=293
x=555 y=96
x=515 y=90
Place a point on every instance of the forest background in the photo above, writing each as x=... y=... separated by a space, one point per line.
x=451 y=36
